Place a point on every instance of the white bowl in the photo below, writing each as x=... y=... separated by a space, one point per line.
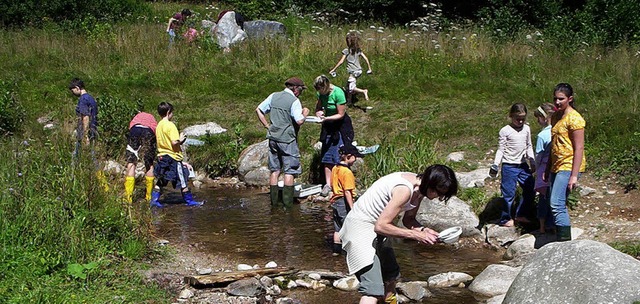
x=450 y=235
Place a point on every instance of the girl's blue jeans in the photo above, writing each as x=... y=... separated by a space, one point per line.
x=512 y=176
x=558 y=183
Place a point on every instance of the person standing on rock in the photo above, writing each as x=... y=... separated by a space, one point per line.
x=286 y=115
x=567 y=160
x=370 y=223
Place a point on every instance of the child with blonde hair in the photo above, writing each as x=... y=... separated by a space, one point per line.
x=543 y=148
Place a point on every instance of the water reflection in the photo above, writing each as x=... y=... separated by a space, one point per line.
x=241 y=224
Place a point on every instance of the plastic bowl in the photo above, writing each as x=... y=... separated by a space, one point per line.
x=450 y=235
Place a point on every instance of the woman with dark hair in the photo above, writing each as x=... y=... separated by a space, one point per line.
x=567 y=159
x=367 y=227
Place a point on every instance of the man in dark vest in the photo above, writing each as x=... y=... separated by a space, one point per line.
x=286 y=116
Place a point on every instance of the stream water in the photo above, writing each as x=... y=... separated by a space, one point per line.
x=241 y=225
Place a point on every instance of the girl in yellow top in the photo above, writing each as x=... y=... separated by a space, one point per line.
x=567 y=159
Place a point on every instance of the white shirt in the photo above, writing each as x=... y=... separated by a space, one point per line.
x=514 y=146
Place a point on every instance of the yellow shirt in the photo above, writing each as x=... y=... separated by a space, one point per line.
x=561 y=147
x=342 y=179
x=166 y=133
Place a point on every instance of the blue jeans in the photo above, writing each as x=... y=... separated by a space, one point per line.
x=558 y=183
x=512 y=176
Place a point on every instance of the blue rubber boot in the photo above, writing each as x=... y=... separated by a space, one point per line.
x=155 y=197
x=188 y=198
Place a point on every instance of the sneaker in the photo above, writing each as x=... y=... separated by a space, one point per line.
x=325 y=190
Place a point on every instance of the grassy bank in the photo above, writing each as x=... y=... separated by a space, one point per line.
x=431 y=93
x=450 y=91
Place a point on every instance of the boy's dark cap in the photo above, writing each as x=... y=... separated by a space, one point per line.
x=296 y=82
x=350 y=149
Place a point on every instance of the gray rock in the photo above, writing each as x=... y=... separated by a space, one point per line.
x=496 y=300
x=250 y=287
x=494 y=280
x=204 y=271
x=455 y=157
x=449 y=279
x=252 y=164
x=472 y=179
x=585 y=191
x=522 y=246
x=49 y=126
x=197 y=184
x=271 y=264
x=315 y=276
x=266 y=281
x=257 y=177
x=203 y=129
x=414 y=290
x=439 y=216
x=349 y=283
x=113 y=167
x=242 y=267
x=186 y=294
x=499 y=236
x=260 y=29
x=291 y=285
x=528 y=243
x=274 y=290
x=287 y=301
x=580 y=271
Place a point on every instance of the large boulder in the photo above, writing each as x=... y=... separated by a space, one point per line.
x=439 y=215
x=259 y=29
x=246 y=287
x=495 y=280
x=581 y=271
x=252 y=164
x=472 y=179
x=203 y=129
x=227 y=31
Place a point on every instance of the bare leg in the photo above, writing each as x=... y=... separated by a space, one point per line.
x=363 y=91
x=327 y=174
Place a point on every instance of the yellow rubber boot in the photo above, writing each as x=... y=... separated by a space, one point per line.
x=129 y=184
x=148 y=180
x=102 y=179
x=391 y=299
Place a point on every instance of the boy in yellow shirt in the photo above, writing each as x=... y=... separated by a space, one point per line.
x=169 y=166
x=343 y=184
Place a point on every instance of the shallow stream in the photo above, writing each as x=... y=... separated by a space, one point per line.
x=241 y=225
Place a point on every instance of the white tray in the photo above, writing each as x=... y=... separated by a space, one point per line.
x=314 y=119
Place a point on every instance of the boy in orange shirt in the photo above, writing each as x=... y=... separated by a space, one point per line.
x=343 y=184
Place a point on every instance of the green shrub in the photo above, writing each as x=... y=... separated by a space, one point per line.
x=219 y=155
x=69 y=13
x=114 y=115
x=11 y=111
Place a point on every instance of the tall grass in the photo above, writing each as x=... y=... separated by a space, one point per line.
x=54 y=214
x=452 y=88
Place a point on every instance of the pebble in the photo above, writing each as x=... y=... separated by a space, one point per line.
x=242 y=267
x=271 y=264
x=204 y=271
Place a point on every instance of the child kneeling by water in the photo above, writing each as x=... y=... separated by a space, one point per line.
x=343 y=185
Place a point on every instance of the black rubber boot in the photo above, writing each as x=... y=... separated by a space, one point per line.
x=287 y=196
x=563 y=233
x=274 y=191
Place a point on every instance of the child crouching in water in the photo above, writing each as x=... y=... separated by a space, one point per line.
x=543 y=148
x=343 y=184
x=169 y=166
x=514 y=151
